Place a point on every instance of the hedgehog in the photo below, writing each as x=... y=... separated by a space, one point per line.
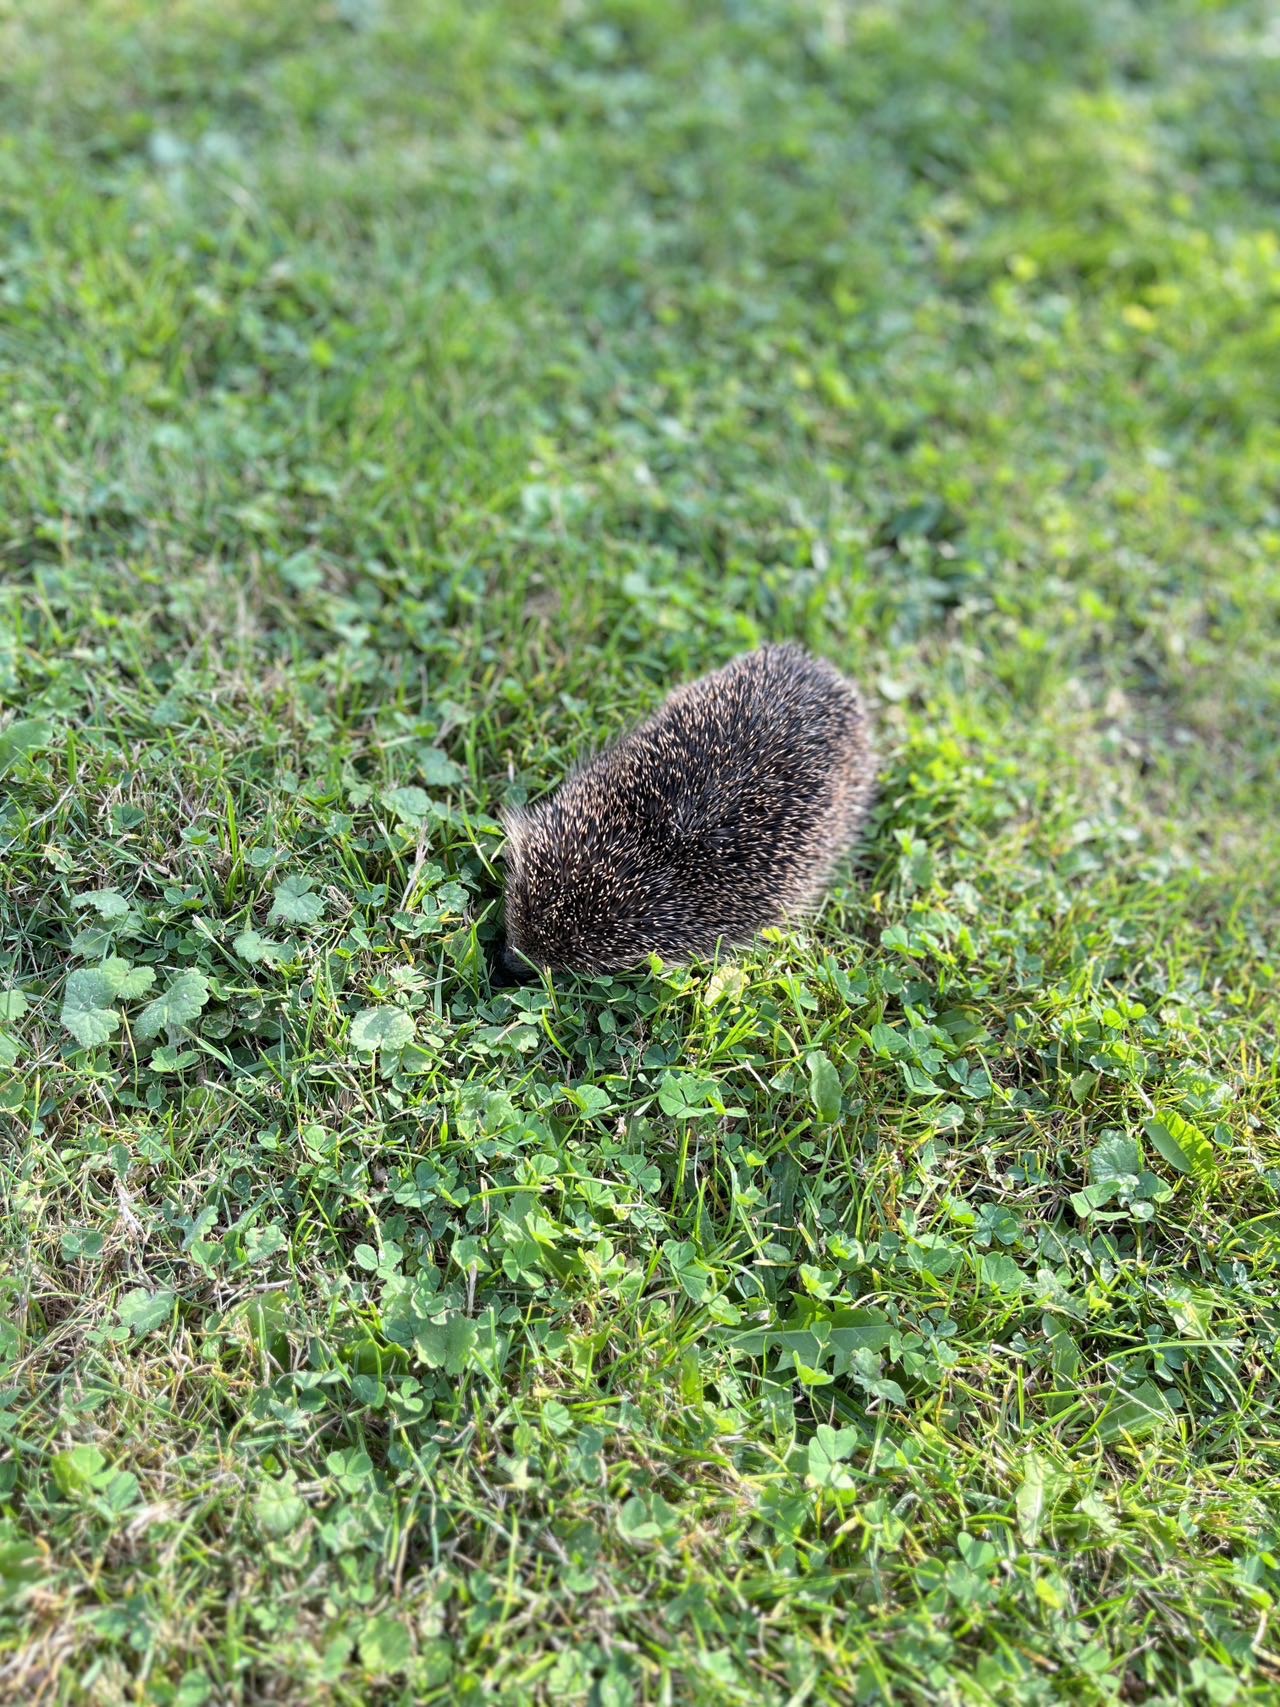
x=725 y=812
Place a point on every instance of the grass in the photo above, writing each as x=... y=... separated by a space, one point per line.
x=397 y=400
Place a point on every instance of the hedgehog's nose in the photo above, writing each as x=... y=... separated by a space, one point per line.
x=504 y=968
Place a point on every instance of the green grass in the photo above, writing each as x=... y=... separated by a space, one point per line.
x=397 y=399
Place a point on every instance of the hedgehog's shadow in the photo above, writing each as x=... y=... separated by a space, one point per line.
x=501 y=975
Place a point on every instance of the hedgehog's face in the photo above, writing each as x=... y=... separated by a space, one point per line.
x=561 y=906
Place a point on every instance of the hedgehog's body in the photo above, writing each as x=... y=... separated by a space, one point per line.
x=725 y=811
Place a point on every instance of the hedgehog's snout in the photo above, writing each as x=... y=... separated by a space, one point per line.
x=517 y=956
x=515 y=960
x=530 y=920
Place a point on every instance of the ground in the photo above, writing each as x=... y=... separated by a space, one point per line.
x=397 y=399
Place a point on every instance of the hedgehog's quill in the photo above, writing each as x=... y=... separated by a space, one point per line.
x=723 y=813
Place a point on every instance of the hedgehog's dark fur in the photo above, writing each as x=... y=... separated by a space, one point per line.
x=726 y=810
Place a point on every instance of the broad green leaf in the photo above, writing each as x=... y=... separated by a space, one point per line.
x=980 y=1556
x=446 y=1344
x=87 y=1010
x=917 y=1080
x=141 y=1311
x=1081 y=1085
x=1115 y=1156
x=1095 y=1508
x=819 y=1282
x=13 y=1005
x=485 y=1113
x=887 y=1042
x=74 y=1470
x=83 y=1470
x=28 y=735
x=381 y=1028
x=591 y=1099
x=92 y=942
x=828 y=1452
x=277 y=1509
x=295 y=902
x=647 y=1517
x=410 y=805
x=82 y=1244
x=179 y=1004
x=1034 y=1496
x=167 y=1060
x=385 y=1645
x=814 y=1326
x=194 y=1689
x=693 y=1274
x=128 y=981
x=438 y=769
x=252 y=946
x=684 y=1095
x=199 y=1226
x=350 y=1468
x=117 y=1488
x=263 y=1242
x=1064 y=1357
x=825 y=1090
x=1003 y=1274
x=22 y=1566
x=1215 y=1684
x=726 y=983
x=1116 y=1171
x=641 y=1171
x=1136 y=1414
x=266 y=1316
x=1183 y=1146
x=557 y=1419
x=107 y=903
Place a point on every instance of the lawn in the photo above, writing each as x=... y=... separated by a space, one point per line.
x=397 y=399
